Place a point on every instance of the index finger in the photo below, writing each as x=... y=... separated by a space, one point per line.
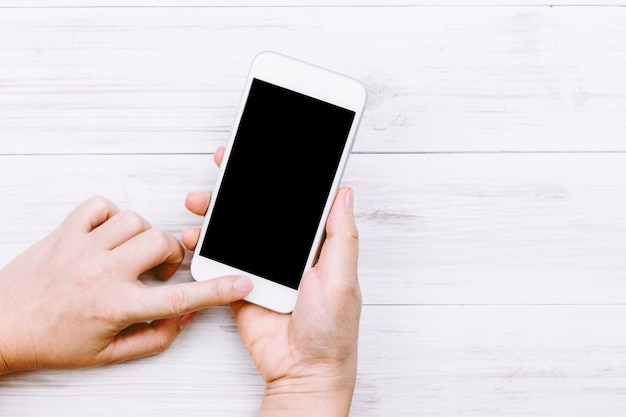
x=163 y=301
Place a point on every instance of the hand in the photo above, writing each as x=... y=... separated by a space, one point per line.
x=74 y=299
x=308 y=358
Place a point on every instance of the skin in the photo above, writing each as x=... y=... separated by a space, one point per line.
x=308 y=359
x=74 y=300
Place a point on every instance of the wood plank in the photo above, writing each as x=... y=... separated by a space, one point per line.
x=440 y=79
x=435 y=229
x=491 y=361
x=413 y=360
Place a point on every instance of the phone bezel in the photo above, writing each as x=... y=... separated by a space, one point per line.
x=311 y=80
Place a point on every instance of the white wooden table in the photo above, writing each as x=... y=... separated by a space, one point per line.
x=489 y=174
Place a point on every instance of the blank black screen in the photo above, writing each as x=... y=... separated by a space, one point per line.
x=272 y=195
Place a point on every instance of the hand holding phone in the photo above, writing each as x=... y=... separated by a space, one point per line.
x=291 y=140
x=309 y=358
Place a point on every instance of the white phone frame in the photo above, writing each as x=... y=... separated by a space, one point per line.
x=311 y=80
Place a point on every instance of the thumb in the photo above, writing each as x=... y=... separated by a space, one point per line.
x=145 y=339
x=341 y=246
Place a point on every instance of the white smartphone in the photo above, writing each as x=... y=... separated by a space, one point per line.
x=281 y=169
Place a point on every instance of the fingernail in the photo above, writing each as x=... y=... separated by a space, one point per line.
x=243 y=285
x=350 y=199
x=186 y=319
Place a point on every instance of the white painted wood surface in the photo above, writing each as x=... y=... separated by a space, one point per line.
x=489 y=172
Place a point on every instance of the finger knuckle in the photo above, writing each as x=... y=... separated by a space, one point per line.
x=178 y=301
x=352 y=233
x=349 y=291
x=220 y=294
x=110 y=313
x=98 y=201
x=162 y=342
x=352 y=292
x=134 y=221
x=357 y=294
x=98 y=204
x=160 y=240
x=355 y=234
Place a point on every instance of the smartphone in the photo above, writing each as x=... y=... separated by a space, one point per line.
x=293 y=133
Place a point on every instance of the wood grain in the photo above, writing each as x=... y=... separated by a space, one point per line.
x=435 y=229
x=414 y=360
x=489 y=174
x=440 y=79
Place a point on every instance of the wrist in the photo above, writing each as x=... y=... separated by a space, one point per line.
x=4 y=368
x=14 y=356
x=4 y=345
x=326 y=395
x=12 y=348
x=11 y=360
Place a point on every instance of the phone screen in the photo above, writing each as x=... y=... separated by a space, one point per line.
x=281 y=168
